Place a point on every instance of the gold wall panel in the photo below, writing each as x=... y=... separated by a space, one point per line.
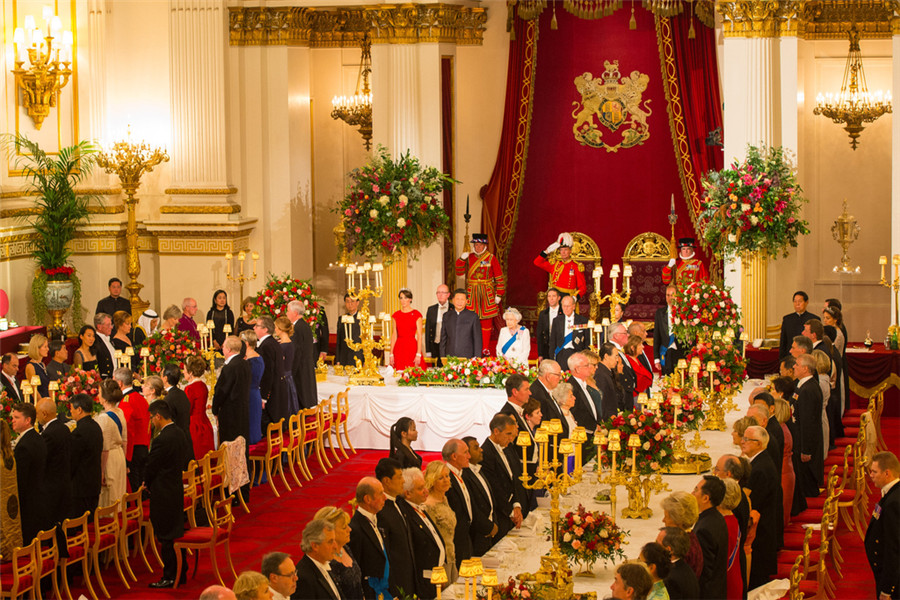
x=202 y=246
x=187 y=209
x=810 y=19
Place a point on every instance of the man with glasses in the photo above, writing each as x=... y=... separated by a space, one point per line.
x=585 y=411
x=883 y=534
x=186 y=323
x=279 y=569
x=549 y=376
x=763 y=483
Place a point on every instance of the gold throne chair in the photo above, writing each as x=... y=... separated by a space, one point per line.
x=586 y=253
x=647 y=253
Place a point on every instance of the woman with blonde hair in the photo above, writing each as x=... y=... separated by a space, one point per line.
x=788 y=478
x=251 y=585
x=823 y=368
x=284 y=329
x=152 y=388
x=514 y=341
x=738 y=429
x=345 y=571
x=38 y=349
x=257 y=366
x=437 y=480
x=121 y=341
x=170 y=318
x=680 y=510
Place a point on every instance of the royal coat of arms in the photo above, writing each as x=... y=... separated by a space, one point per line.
x=613 y=101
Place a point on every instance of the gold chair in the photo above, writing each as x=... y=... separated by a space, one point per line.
x=326 y=422
x=269 y=457
x=212 y=476
x=21 y=573
x=134 y=525
x=193 y=488
x=47 y=551
x=291 y=448
x=312 y=440
x=78 y=548
x=208 y=538
x=339 y=421
x=104 y=535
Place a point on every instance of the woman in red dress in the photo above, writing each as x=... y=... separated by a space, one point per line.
x=633 y=348
x=734 y=577
x=407 y=342
x=197 y=392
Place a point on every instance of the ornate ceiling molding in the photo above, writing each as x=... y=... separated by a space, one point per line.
x=385 y=23
x=810 y=19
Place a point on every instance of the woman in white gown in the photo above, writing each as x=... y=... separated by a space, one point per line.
x=514 y=342
x=115 y=436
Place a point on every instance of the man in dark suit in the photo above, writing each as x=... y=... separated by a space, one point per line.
x=280 y=570
x=503 y=472
x=666 y=350
x=712 y=533
x=460 y=329
x=303 y=369
x=883 y=534
x=343 y=355
x=314 y=581
x=585 y=410
x=456 y=454
x=545 y=320
x=763 y=495
x=484 y=526
x=9 y=367
x=792 y=324
x=808 y=444
x=167 y=460
x=231 y=399
x=178 y=403
x=103 y=348
x=517 y=394
x=395 y=528
x=58 y=470
x=568 y=333
x=434 y=321
x=367 y=542
x=114 y=302
x=322 y=338
x=31 y=458
x=275 y=404
x=609 y=359
x=549 y=376
x=618 y=335
x=87 y=448
x=681 y=583
x=428 y=545
x=764 y=414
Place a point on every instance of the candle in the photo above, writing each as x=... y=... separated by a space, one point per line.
x=633 y=442
x=882 y=260
x=145 y=352
x=228 y=264
x=349 y=272
x=672 y=209
x=524 y=440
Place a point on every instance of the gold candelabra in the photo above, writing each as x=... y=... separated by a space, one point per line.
x=715 y=401
x=208 y=348
x=130 y=161
x=356 y=110
x=241 y=278
x=469 y=570
x=845 y=231
x=41 y=70
x=894 y=285
x=683 y=462
x=614 y=297
x=359 y=288
x=639 y=488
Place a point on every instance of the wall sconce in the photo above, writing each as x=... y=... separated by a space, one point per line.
x=42 y=70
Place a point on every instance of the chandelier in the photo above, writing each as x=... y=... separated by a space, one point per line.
x=854 y=105
x=356 y=110
x=42 y=70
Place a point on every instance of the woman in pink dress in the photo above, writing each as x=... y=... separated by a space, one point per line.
x=407 y=342
x=201 y=429
x=788 y=479
x=734 y=578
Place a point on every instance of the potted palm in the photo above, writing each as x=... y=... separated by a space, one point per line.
x=58 y=211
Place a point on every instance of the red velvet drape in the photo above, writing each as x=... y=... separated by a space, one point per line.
x=447 y=158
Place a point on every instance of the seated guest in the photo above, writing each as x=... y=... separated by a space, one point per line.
x=114 y=302
x=366 y=542
x=484 y=526
x=84 y=357
x=428 y=546
x=251 y=585
x=680 y=510
x=632 y=582
x=146 y=326
x=634 y=351
x=403 y=433
x=438 y=506
x=345 y=571
x=170 y=318
x=763 y=484
x=394 y=527
x=87 y=446
x=564 y=398
x=460 y=329
x=681 y=583
x=503 y=470
x=280 y=574
x=31 y=458
x=712 y=533
x=57 y=369
x=658 y=562
x=314 y=575
x=246 y=321
x=456 y=458
x=38 y=350
x=735 y=578
x=514 y=341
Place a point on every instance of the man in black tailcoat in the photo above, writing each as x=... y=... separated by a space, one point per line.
x=549 y=376
x=460 y=329
x=314 y=578
x=585 y=410
x=509 y=497
x=178 y=403
x=58 y=471
x=763 y=495
x=395 y=527
x=456 y=454
x=167 y=460
x=103 y=348
x=87 y=448
x=231 y=399
x=792 y=324
x=428 y=546
x=712 y=533
x=31 y=459
x=8 y=381
x=343 y=355
x=618 y=335
x=484 y=526
x=666 y=350
x=367 y=543
x=434 y=322
x=545 y=320
x=275 y=404
x=568 y=332
x=808 y=444
x=303 y=370
x=883 y=534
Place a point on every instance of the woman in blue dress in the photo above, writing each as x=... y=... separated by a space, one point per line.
x=256 y=372
x=283 y=332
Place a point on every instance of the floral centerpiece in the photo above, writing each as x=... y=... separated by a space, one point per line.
x=393 y=204
x=513 y=589
x=656 y=433
x=702 y=308
x=279 y=291
x=461 y=372
x=754 y=206
x=588 y=536
x=6 y=406
x=691 y=409
x=731 y=367
x=171 y=346
x=79 y=381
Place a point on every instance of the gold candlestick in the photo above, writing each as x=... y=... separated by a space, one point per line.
x=893 y=285
x=368 y=374
x=145 y=352
x=241 y=278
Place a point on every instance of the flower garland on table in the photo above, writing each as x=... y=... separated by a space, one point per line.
x=588 y=536
x=656 y=433
x=754 y=206
x=79 y=381
x=513 y=589
x=462 y=372
x=392 y=204
x=172 y=346
x=729 y=378
x=279 y=291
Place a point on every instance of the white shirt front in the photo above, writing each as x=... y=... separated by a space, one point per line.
x=552 y=311
x=374 y=521
x=109 y=346
x=476 y=470
x=570 y=327
x=420 y=509
x=462 y=484
x=278 y=596
x=325 y=570
x=441 y=311
x=587 y=394
x=888 y=487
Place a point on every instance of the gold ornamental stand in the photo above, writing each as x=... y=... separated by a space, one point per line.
x=367 y=373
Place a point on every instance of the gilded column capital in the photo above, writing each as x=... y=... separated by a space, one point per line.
x=758 y=18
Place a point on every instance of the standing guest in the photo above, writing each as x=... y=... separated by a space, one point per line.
x=217 y=592
x=271 y=388
x=783 y=386
x=366 y=542
x=712 y=533
x=883 y=534
x=739 y=427
x=246 y=321
x=808 y=445
x=147 y=325
x=115 y=437
x=121 y=341
x=345 y=570
x=517 y=393
x=735 y=577
x=137 y=423
x=171 y=317
x=792 y=324
x=58 y=471
x=545 y=320
x=786 y=366
x=38 y=350
x=87 y=446
x=186 y=323
x=788 y=479
x=428 y=545
x=514 y=341
x=634 y=351
x=403 y=434
x=484 y=526
x=618 y=335
x=460 y=335
x=456 y=459
x=737 y=468
x=103 y=348
x=114 y=302
x=152 y=388
x=632 y=582
x=440 y=511
x=680 y=509
x=283 y=332
x=407 y=341
x=179 y=403
x=485 y=285
x=637 y=328
x=201 y=431
x=586 y=411
x=251 y=585
x=566 y=274
x=763 y=484
x=823 y=377
x=280 y=574
x=609 y=394
x=764 y=414
x=31 y=458
x=220 y=314
x=314 y=575
x=257 y=367
x=666 y=350
x=8 y=382
x=321 y=336
x=658 y=562
x=395 y=528
x=689 y=268
x=837 y=320
x=303 y=368
x=567 y=332
x=832 y=316
x=343 y=355
x=230 y=403
x=564 y=398
x=169 y=457
x=11 y=518
x=434 y=320
x=681 y=583
x=503 y=470
x=549 y=376
x=57 y=369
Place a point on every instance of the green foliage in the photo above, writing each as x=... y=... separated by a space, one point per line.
x=39 y=305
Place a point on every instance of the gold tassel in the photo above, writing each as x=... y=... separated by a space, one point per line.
x=691 y=33
x=553 y=24
x=632 y=23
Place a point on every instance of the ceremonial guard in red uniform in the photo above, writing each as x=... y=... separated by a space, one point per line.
x=485 y=285
x=688 y=268
x=566 y=275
